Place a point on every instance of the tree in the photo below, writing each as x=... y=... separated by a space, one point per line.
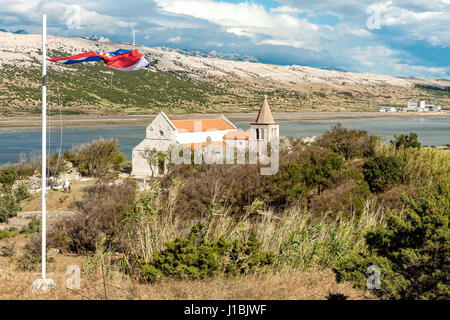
x=156 y=159
x=406 y=141
x=99 y=158
x=350 y=143
x=9 y=206
x=8 y=175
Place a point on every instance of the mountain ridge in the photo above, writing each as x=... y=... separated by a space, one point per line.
x=195 y=83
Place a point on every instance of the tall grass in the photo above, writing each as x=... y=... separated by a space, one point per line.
x=421 y=165
x=298 y=238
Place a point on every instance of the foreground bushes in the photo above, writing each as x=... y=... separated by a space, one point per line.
x=411 y=251
x=194 y=257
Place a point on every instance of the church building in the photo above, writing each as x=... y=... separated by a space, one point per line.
x=162 y=133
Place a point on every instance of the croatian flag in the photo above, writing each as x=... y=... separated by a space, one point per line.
x=124 y=60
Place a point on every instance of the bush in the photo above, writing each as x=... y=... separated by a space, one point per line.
x=9 y=206
x=382 y=172
x=208 y=184
x=347 y=142
x=312 y=167
x=22 y=192
x=8 y=233
x=8 y=250
x=411 y=251
x=406 y=141
x=33 y=227
x=31 y=257
x=99 y=158
x=99 y=214
x=194 y=258
x=8 y=175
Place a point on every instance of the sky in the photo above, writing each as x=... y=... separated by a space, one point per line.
x=397 y=37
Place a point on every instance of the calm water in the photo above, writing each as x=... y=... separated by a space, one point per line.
x=14 y=142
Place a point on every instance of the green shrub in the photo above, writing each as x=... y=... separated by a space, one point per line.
x=411 y=250
x=22 y=192
x=31 y=257
x=8 y=233
x=8 y=175
x=406 y=141
x=33 y=227
x=311 y=168
x=8 y=250
x=382 y=172
x=8 y=205
x=193 y=257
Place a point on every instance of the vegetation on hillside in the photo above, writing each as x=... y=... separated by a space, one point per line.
x=94 y=89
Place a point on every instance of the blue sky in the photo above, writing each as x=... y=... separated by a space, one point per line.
x=397 y=37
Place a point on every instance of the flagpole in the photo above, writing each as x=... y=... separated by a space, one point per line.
x=44 y=283
x=44 y=144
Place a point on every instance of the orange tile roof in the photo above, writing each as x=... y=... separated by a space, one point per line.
x=195 y=145
x=192 y=125
x=239 y=135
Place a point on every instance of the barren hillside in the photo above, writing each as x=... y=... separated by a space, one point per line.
x=180 y=83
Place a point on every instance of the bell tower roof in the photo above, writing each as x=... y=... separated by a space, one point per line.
x=265 y=115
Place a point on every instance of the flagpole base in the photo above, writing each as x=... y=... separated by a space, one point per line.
x=43 y=285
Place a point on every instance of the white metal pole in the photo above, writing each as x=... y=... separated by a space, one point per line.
x=44 y=144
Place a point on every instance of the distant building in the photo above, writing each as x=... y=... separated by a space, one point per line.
x=162 y=133
x=416 y=105
x=433 y=108
x=421 y=106
x=388 y=109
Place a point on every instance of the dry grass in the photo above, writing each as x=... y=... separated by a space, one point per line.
x=287 y=285
x=57 y=200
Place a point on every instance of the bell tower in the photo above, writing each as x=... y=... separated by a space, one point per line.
x=264 y=129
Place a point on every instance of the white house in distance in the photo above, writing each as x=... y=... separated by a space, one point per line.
x=162 y=133
x=415 y=106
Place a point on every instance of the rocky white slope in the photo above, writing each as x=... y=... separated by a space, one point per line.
x=24 y=51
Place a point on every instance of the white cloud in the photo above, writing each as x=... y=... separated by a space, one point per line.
x=297 y=31
x=276 y=26
x=69 y=16
x=387 y=60
x=176 y=39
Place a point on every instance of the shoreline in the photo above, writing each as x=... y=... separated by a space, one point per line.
x=76 y=121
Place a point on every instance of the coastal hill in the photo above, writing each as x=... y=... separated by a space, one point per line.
x=180 y=82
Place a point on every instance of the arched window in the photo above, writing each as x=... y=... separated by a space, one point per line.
x=257 y=134
x=262 y=134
